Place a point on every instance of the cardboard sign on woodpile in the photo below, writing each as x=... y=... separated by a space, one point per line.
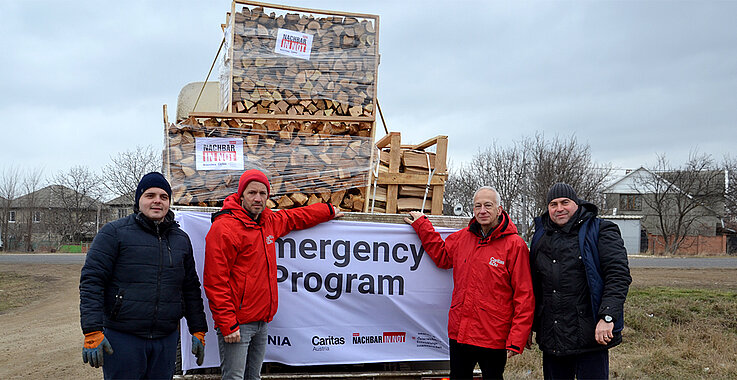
x=296 y=61
x=306 y=161
x=407 y=175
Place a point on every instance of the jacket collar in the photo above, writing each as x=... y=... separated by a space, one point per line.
x=153 y=227
x=505 y=227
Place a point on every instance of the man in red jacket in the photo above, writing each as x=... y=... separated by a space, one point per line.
x=240 y=270
x=492 y=305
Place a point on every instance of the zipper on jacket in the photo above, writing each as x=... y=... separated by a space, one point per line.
x=268 y=271
x=168 y=248
x=117 y=305
x=158 y=286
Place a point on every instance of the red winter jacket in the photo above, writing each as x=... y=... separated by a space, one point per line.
x=240 y=260
x=493 y=303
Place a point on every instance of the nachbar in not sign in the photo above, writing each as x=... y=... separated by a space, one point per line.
x=217 y=153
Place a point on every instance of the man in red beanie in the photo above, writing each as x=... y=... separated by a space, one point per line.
x=240 y=270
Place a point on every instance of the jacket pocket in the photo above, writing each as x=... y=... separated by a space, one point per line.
x=243 y=297
x=496 y=311
x=239 y=293
x=586 y=326
x=455 y=304
x=119 y=297
x=494 y=321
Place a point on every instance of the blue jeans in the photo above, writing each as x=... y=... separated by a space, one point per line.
x=242 y=360
x=140 y=358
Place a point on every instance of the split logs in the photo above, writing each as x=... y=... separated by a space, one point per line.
x=306 y=161
x=335 y=77
x=407 y=174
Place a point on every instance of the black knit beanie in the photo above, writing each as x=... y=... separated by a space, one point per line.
x=153 y=179
x=562 y=190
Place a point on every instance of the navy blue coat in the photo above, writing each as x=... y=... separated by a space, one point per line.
x=140 y=278
x=577 y=277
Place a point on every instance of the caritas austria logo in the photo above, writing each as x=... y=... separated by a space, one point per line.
x=495 y=262
x=386 y=338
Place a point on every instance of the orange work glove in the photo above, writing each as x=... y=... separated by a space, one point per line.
x=198 y=346
x=94 y=345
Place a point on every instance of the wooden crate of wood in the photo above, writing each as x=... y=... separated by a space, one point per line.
x=307 y=161
x=408 y=177
x=298 y=61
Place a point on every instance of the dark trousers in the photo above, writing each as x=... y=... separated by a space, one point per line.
x=138 y=358
x=463 y=359
x=590 y=365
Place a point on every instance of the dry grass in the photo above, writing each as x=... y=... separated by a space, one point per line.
x=679 y=333
x=679 y=324
x=17 y=290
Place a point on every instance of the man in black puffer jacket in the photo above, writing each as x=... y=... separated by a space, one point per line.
x=138 y=281
x=580 y=277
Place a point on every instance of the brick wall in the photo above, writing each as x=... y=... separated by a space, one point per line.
x=692 y=245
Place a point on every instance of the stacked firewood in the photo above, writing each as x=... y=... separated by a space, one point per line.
x=306 y=161
x=338 y=79
x=409 y=197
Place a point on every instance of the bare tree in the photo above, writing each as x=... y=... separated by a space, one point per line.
x=78 y=192
x=524 y=171
x=680 y=198
x=562 y=160
x=500 y=167
x=31 y=184
x=9 y=186
x=122 y=174
x=456 y=192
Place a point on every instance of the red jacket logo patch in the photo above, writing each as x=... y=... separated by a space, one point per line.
x=495 y=262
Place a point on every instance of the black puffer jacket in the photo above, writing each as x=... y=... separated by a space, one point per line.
x=140 y=278
x=564 y=320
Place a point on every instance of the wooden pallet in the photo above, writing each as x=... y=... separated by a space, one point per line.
x=405 y=172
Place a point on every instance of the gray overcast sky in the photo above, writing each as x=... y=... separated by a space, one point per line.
x=84 y=80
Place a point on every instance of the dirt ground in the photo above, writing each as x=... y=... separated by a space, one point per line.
x=43 y=340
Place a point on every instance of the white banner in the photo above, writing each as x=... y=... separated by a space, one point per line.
x=219 y=153
x=349 y=292
x=294 y=44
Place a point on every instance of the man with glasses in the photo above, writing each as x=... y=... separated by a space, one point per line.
x=492 y=304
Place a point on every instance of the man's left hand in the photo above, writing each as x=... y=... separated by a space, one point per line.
x=336 y=212
x=198 y=346
x=529 y=341
x=604 y=332
x=413 y=216
x=511 y=353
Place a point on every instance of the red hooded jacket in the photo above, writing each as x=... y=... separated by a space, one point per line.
x=493 y=303
x=240 y=260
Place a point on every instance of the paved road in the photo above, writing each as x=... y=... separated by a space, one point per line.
x=635 y=262
x=683 y=262
x=42 y=258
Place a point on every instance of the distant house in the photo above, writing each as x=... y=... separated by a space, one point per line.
x=633 y=195
x=120 y=207
x=52 y=216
